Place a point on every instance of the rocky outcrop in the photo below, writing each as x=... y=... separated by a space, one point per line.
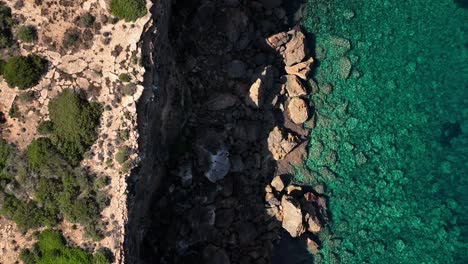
x=231 y=104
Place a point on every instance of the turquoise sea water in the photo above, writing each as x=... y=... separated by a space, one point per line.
x=391 y=142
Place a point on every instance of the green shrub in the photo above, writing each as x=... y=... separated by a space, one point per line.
x=6 y=22
x=125 y=77
x=2 y=66
x=51 y=248
x=70 y=38
x=101 y=182
x=5 y=150
x=38 y=153
x=45 y=127
x=87 y=20
x=27 y=96
x=27 y=34
x=24 y=71
x=130 y=10
x=74 y=122
x=122 y=154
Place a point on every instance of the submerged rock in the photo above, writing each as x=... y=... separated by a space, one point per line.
x=344 y=65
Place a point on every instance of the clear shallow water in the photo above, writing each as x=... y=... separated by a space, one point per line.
x=391 y=142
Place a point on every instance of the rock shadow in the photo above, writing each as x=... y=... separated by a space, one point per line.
x=215 y=127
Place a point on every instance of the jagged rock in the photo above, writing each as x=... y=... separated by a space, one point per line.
x=313 y=224
x=238 y=23
x=294 y=190
x=247 y=232
x=301 y=70
x=277 y=183
x=280 y=145
x=293 y=85
x=236 y=69
x=260 y=87
x=291 y=46
x=298 y=110
x=295 y=50
x=215 y=255
x=256 y=94
x=213 y=156
x=224 y=217
x=270 y=4
x=277 y=40
x=221 y=101
x=312 y=246
x=292 y=216
x=294 y=159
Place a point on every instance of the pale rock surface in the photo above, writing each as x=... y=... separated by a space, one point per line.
x=297 y=109
x=292 y=216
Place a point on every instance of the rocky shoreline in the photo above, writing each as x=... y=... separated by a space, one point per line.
x=223 y=122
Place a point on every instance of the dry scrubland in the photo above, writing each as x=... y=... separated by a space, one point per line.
x=76 y=49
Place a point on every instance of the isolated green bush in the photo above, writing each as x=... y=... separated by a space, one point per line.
x=130 y=10
x=6 y=22
x=27 y=33
x=75 y=121
x=24 y=71
x=51 y=248
x=87 y=20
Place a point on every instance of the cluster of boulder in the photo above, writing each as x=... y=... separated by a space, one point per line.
x=300 y=211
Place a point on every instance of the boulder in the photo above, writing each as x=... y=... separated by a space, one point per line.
x=301 y=70
x=313 y=223
x=238 y=22
x=259 y=89
x=277 y=40
x=293 y=85
x=270 y=4
x=280 y=144
x=221 y=101
x=298 y=110
x=292 y=216
x=236 y=69
x=295 y=48
x=213 y=156
x=277 y=183
x=215 y=255
x=344 y=65
x=312 y=246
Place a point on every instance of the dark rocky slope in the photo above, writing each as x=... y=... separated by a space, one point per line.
x=222 y=114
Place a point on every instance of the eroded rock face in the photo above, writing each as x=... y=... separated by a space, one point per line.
x=292 y=216
x=298 y=110
x=280 y=145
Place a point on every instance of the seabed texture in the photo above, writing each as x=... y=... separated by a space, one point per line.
x=391 y=142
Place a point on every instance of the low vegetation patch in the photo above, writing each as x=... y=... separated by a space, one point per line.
x=24 y=71
x=6 y=22
x=27 y=34
x=130 y=10
x=39 y=188
x=51 y=248
x=74 y=123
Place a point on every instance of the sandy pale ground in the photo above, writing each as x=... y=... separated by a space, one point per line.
x=94 y=68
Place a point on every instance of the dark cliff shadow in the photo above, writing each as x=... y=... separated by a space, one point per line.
x=186 y=205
